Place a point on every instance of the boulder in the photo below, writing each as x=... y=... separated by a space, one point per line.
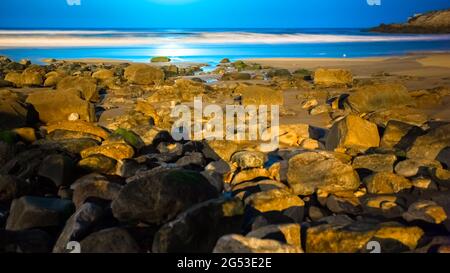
x=250 y=175
x=285 y=233
x=30 y=212
x=219 y=149
x=247 y=189
x=274 y=206
x=103 y=74
x=355 y=237
x=404 y=114
x=55 y=106
x=375 y=162
x=332 y=77
x=12 y=188
x=111 y=240
x=14 y=113
x=354 y=133
x=15 y=78
x=413 y=167
x=386 y=183
x=188 y=233
x=260 y=95
x=144 y=74
x=59 y=169
x=98 y=163
x=52 y=78
x=78 y=226
x=32 y=76
x=125 y=136
x=249 y=159
x=399 y=135
x=25 y=241
x=159 y=196
x=311 y=171
x=117 y=151
x=431 y=144
x=386 y=206
x=87 y=87
x=235 y=243
x=191 y=159
x=79 y=126
x=370 y=98
x=94 y=186
x=427 y=211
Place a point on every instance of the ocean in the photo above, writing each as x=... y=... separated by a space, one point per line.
x=211 y=45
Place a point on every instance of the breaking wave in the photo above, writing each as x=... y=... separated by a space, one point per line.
x=72 y=38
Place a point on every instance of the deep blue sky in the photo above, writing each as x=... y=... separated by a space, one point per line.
x=208 y=13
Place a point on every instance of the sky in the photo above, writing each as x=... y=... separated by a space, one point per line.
x=92 y=14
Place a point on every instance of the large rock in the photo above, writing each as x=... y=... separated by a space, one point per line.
x=235 y=243
x=37 y=212
x=286 y=233
x=78 y=126
x=112 y=240
x=407 y=114
x=87 y=86
x=412 y=167
x=274 y=206
x=103 y=74
x=59 y=169
x=188 y=233
x=354 y=133
x=94 y=186
x=386 y=206
x=369 y=98
x=399 y=135
x=386 y=183
x=431 y=144
x=375 y=162
x=59 y=105
x=182 y=90
x=312 y=171
x=98 y=163
x=356 y=237
x=12 y=188
x=144 y=74
x=219 y=149
x=260 y=95
x=25 y=241
x=117 y=151
x=332 y=77
x=7 y=152
x=78 y=226
x=15 y=78
x=159 y=196
x=32 y=76
x=249 y=159
x=427 y=211
x=13 y=114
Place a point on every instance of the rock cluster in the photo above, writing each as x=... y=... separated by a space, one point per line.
x=89 y=159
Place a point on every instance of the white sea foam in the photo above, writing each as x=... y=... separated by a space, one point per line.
x=27 y=39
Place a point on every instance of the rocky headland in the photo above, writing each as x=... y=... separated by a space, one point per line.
x=427 y=23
